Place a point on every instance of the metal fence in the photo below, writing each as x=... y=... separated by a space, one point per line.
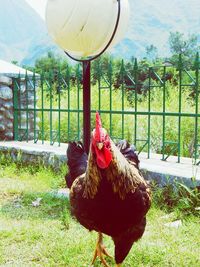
x=156 y=108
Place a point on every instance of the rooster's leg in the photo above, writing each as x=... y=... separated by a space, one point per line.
x=100 y=251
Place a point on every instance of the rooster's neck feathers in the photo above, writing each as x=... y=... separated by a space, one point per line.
x=124 y=176
x=92 y=177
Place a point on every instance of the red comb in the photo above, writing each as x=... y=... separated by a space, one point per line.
x=98 y=126
x=98 y=120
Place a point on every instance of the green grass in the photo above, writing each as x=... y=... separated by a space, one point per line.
x=48 y=236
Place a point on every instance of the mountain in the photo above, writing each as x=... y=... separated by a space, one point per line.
x=151 y=22
x=23 y=34
x=24 y=37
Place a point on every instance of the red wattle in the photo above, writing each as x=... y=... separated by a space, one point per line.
x=103 y=157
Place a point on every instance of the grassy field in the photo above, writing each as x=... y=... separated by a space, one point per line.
x=47 y=235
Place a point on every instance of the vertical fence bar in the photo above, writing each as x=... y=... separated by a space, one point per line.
x=42 y=105
x=59 y=104
x=149 y=110
x=122 y=89
x=27 y=107
x=15 y=105
x=20 y=112
x=136 y=87
x=68 y=102
x=110 y=89
x=164 y=109
x=34 y=105
x=50 y=107
x=179 y=106
x=99 y=82
x=78 y=98
x=196 y=106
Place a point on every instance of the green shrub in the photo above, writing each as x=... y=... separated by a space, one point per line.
x=178 y=196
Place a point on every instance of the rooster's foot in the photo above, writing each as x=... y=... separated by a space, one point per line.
x=100 y=251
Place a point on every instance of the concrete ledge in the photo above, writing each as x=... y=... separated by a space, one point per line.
x=162 y=171
x=36 y=153
x=153 y=168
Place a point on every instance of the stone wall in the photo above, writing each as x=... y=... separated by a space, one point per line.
x=6 y=108
x=25 y=101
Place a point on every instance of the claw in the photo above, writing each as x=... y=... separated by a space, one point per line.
x=100 y=251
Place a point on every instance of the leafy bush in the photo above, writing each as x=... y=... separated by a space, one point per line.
x=178 y=196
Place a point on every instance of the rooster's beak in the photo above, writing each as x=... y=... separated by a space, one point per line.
x=100 y=145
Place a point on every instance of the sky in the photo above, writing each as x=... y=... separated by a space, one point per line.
x=38 y=5
x=174 y=5
x=152 y=16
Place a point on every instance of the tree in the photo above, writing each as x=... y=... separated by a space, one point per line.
x=184 y=46
x=179 y=44
x=15 y=62
x=151 y=52
x=50 y=63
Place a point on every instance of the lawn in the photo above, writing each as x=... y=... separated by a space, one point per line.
x=47 y=235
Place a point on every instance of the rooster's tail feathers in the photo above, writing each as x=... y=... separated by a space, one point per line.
x=129 y=152
x=76 y=161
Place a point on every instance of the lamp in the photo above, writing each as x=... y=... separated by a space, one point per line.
x=84 y=29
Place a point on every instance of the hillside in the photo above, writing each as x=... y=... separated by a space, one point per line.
x=152 y=20
x=24 y=38
x=23 y=35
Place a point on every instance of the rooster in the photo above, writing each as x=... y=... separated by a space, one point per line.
x=108 y=193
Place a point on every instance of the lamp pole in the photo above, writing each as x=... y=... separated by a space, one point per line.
x=86 y=105
x=86 y=85
x=57 y=31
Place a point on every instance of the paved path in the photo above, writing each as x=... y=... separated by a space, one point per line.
x=153 y=167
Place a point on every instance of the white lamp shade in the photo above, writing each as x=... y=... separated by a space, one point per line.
x=83 y=28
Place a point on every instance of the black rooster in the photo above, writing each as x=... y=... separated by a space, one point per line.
x=108 y=193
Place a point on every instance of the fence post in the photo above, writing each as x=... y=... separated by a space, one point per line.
x=68 y=74
x=122 y=73
x=196 y=67
x=149 y=110
x=110 y=72
x=35 y=134
x=164 y=109
x=27 y=107
x=42 y=104
x=51 y=106
x=78 y=77
x=59 y=104
x=180 y=68
x=136 y=87
x=99 y=75
x=15 y=109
